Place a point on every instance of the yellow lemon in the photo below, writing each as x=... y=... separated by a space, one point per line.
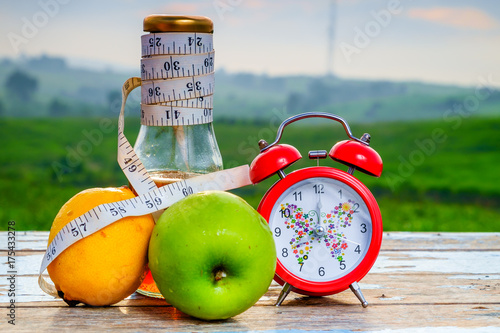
x=107 y=266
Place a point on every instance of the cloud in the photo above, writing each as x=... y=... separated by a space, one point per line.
x=255 y=4
x=466 y=17
x=183 y=8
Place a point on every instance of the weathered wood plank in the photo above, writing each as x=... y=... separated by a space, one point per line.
x=379 y=289
x=472 y=262
x=323 y=318
x=430 y=275
x=469 y=262
x=420 y=280
x=435 y=241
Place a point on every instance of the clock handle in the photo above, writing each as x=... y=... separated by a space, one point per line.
x=357 y=291
x=305 y=115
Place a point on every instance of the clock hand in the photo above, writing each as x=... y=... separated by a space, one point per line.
x=350 y=241
x=301 y=243
x=319 y=205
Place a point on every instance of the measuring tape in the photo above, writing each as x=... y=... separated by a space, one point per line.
x=176 y=43
x=174 y=66
x=150 y=202
x=164 y=115
x=161 y=91
x=177 y=73
x=194 y=109
x=197 y=103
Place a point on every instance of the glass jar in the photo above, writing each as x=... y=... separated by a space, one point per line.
x=172 y=153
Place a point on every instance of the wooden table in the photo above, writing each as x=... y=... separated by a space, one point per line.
x=435 y=281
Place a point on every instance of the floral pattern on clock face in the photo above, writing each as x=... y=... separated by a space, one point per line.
x=303 y=226
x=322 y=229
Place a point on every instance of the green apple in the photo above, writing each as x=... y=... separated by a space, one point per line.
x=212 y=255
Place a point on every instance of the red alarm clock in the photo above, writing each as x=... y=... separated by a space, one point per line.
x=326 y=224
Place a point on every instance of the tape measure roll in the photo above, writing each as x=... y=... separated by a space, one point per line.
x=164 y=115
x=177 y=69
x=161 y=91
x=197 y=102
x=174 y=66
x=165 y=43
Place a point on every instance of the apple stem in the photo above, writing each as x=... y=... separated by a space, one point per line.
x=220 y=274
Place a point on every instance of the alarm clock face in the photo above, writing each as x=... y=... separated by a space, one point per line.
x=322 y=229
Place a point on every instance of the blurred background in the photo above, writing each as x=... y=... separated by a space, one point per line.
x=423 y=78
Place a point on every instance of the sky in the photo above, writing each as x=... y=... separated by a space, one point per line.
x=439 y=41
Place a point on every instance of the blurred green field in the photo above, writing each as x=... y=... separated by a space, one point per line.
x=439 y=175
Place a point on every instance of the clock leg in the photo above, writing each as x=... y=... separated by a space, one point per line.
x=287 y=287
x=357 y=291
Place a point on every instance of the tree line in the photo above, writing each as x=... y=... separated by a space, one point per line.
x=20 y=100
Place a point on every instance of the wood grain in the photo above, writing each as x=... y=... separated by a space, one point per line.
x=427 y=281
x=305 y=317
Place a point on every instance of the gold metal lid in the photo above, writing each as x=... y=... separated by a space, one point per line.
x=177 y=23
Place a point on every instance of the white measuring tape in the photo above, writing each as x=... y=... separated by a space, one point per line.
x=173 y=66
x=164 y=115
x=161 y=91
x=150 y=202
x=176 y=43
x=130 y=163
x=151 y=199
x=178 y=81
x=197 y=103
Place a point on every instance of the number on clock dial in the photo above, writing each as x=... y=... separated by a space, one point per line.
x=322 y=229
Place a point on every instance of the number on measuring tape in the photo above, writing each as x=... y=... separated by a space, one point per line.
x=161 y=115
x=129 y=162
x=174 y=66
x=161 y=91
x=166 y=43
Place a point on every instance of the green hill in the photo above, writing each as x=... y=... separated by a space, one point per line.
x=65 y=91
x=438 y=175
